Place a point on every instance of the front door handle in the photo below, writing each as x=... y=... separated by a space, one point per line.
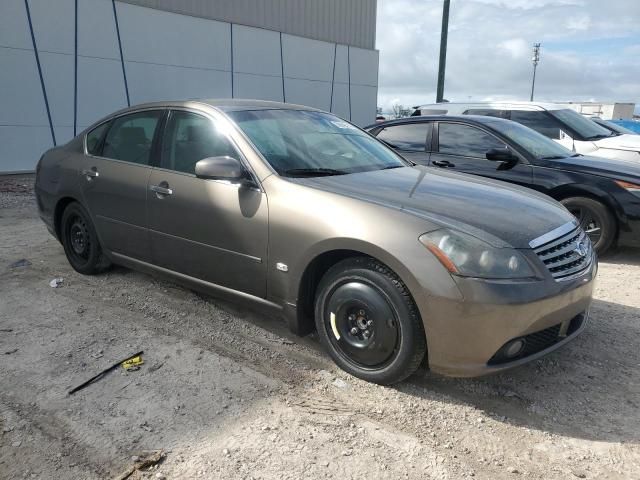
x=443 y=163
x=91 y=174
x=162 y=189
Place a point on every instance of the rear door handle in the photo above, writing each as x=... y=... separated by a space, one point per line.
x=93 y=173
x=443 y=163
x=161 y=190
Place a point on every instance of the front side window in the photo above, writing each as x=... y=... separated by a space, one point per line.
x=462 y=140
x=189 y=138
x=410 y=136
x=130 y=137
x=533 y=142
x=94 y=139
x=306 y=143
x=539 y=121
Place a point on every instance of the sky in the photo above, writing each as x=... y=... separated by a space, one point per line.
x=590 y=50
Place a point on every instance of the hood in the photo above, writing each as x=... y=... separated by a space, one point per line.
x=620 y=142
x=496 y=212
x=605 y=167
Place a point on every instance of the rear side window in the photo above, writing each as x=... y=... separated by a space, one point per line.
x=189 y=138
x=462 y=140
x=541 y=122
x=130 y=136
x=410 y=136
x=488 y=112
x=94 y=139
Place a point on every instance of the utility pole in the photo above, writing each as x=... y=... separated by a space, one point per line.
x=535 y=59
x=443 y=51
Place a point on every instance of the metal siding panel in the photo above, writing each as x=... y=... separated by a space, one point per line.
x=349 y=22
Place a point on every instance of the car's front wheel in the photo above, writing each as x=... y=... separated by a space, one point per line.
x=595 y=220
x=368 y=321
x=80 y=242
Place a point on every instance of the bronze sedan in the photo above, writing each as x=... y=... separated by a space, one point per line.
x=302 y=212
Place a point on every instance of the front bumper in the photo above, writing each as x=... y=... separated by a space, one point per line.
x=464 y=336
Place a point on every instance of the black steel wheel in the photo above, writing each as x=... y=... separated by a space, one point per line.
x=368 y=321
x=80 y=241
x=595 y=220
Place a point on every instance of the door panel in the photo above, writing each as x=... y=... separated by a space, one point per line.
x=209 y=229
x=116 y=199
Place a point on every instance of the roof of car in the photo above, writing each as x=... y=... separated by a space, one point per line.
x=474 y=119
x=226 y=104
x=497 y=104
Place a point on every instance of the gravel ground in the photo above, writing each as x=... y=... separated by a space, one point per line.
x=227 y=392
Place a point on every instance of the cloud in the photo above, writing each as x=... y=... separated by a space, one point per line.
x=590 y=50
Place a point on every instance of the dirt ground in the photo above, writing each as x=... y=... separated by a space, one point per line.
x=228 y=393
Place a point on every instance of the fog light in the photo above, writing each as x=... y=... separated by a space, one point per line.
x=513 y=348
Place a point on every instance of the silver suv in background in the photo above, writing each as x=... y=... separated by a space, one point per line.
x=567 y=127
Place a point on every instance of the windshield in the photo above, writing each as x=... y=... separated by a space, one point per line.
x=305 y=143
x=583 y=126
x=612 y=126
x=533 y=142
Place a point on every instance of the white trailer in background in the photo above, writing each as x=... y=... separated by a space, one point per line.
x=604 y=110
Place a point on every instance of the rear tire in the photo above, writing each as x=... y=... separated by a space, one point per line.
x=368 y=321
x=80 y=241
x=595 y=219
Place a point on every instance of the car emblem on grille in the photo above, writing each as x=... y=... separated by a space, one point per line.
x=581 y=249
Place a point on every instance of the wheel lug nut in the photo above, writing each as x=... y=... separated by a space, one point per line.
x=354 y=331
x=366 y=334
x=369 y=323
x=352 y=317
x=361 y=313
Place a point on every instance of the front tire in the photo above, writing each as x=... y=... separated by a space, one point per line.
x=595 y=219
x=80 y=241
x=368 y=321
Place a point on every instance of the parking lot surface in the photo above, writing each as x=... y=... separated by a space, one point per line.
x=227 y=392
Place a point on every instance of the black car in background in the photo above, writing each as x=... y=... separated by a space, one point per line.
x=604 y=194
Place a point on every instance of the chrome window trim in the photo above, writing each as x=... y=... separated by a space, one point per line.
x=554 y=234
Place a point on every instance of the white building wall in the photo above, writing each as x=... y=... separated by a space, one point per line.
x=161 y=56
x=24 y=127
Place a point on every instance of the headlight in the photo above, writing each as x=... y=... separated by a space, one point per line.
x=468 y=256
x=630 y=187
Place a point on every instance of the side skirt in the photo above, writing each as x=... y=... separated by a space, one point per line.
x=202 y=286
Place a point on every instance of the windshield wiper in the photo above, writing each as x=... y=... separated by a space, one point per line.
x=552 y=157
x=394 y=166
x=313 y=172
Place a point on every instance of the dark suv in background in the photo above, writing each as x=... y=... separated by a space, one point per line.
x=603 y=194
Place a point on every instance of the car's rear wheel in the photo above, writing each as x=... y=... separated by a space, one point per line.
x=80 y=242
x=368 y=321
x=595 y=220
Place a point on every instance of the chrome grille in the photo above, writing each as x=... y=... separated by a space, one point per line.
x=567 y=255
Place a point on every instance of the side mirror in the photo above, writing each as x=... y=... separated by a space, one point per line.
x=501 y=155
x=504 y=156
x=220 y=168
